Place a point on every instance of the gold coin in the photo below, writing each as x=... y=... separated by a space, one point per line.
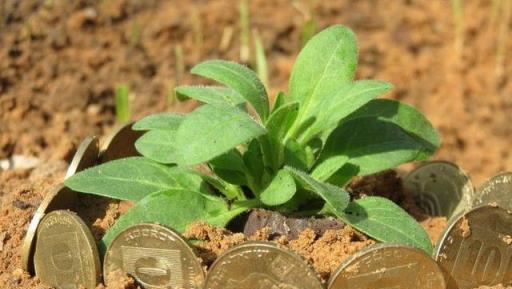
x=60 y=198
x=155 y=256
x=496 y=190
x=66 y=255
x=476 y=249
x=388 y=266
x=440 y=188
x=260 y=265
x=86 y=156
x=120 y=144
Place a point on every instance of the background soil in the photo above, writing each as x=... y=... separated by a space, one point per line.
x=61 y=60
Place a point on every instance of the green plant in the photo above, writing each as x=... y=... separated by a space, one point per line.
x=245 y=28
x=292 y=158
x=122 y=95
x=260 y=59
x=458 y=16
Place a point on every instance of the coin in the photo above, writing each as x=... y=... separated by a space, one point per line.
x=59 y=198
x=476 y=249
x=155 y=256
x=66 y=255
x=120 y=144
x=388 y=266
x=87 y=155
x=440 y=188
x=260 y=265
x=496 y=190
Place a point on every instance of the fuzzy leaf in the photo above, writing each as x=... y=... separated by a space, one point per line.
x=238 y=77
x=336 y=199
x=277 y=126
x=385 y=221
x=212 y=94
x=230 y=167
x=177 y=209
x=163 y=121
x=372 y=145
x=280 y=190
x=330 y=109
x=158 y=145
x=328 y=167
x=133 y=179
x=212 y=130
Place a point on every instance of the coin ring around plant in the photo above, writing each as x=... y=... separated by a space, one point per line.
x=440 y=188
x=475 y=248
x=260 y=265
x=497 y=189
x=86 y=156
x=388 y=266
x=157 y=257
x=120 y=144
x=66 y=255
x=60 y=197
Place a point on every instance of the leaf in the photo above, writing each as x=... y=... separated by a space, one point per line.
x=372 y=145
x=253 y=160
x=212 y=94
x=159 y=146
x=385 y=221
x=280 y=190
x=230 y=167
x=133 y=179
x=405 y=116
x=333 y=107
x=177 y=209
x=296 y=156
x=238 y=77
x=336 y=199
x=329 y=58
x=328 y=167
x=162 y=121
x=211 y=130
x=279 y=101
x=277 y=126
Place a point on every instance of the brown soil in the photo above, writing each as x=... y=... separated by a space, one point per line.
x=60 y=61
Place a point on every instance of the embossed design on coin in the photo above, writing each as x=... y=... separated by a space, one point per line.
x=66 y=256
x=60 y=198
x=386 y=266
x=154 y=255
x=475 y=248
x=440 y=188
x=86 y=156
x=120 y=144
x=260 y=265
x=496 y=190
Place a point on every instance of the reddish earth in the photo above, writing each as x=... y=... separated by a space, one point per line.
x=60 y=63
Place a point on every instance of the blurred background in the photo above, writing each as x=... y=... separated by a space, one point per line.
x=64 y=63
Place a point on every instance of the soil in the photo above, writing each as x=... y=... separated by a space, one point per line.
x=61 y=60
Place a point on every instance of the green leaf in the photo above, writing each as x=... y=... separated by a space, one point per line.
x=405 y=116
x=238 y=77
x=280 y=190
x=328 y=167
x=336 y=199
x=277 y=126
x=332 y=108
x=163 y=121
x=159 y=146
x=133 y=179
x=279 y=101
x=253 y=160
x=372 y=145
x=327 y=61
x=385 y=221
x=177 y=209
x=230 y=167
x=212 y=94
x=296 y=156
x=212 y=130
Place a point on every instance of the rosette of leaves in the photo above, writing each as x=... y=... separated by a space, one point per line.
x=235 y=152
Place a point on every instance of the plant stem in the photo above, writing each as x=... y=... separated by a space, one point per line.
x=503 y=35
x=261 y=59
x=122 y=94
x=458 y=16
x=245 y=23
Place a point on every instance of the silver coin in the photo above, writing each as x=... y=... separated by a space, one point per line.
x=440 y=188
x=86 y=156
x=497 y=190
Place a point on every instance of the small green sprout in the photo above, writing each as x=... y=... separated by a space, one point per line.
x=261 y=59
x=294 y=158
x=122 y=95
x=245 y=28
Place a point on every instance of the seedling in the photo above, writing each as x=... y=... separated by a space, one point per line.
x=261 y=59
x=245 y=30
x=293 y=158
x=458 y=16
x=122 y=95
